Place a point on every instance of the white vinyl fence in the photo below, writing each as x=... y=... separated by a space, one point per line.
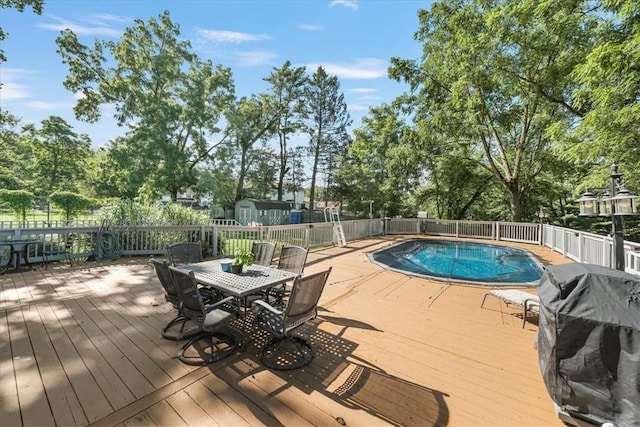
x=95 y=242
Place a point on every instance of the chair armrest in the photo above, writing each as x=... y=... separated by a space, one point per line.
x=259 y=305
x=217 y=304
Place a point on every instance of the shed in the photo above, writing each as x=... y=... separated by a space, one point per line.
x=265 y=212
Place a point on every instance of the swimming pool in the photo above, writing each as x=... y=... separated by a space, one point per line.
x=461 y=261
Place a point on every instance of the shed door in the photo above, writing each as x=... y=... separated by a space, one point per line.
x=274 y=217
x=245 y=216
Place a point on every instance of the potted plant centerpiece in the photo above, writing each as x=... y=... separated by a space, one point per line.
x=242 y=257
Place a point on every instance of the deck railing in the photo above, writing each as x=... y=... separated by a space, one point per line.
x=576 y=245
x=95 y=242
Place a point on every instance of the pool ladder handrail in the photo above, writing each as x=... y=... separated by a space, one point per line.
x=332 y=214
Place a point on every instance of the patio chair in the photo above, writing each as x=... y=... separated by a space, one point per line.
x=293 y=259
x=171 y=295
x=184 y=253
x=529 y=302
x=263 y=253
x=212 y=344
x=286 y=351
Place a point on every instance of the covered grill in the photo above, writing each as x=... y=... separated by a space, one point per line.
x=589 y=343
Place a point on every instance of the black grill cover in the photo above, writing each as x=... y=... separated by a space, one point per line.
x=589 y=342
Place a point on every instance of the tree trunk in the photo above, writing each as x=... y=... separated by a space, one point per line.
x=515 y=202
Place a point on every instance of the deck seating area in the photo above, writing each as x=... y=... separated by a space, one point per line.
x=81 y=345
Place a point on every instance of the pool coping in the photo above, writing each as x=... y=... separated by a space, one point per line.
x=370 y=257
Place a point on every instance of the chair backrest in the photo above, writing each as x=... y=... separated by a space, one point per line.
x=184 y=253
x=303 y=301
x=263 y=253
x=191 y=301
x=164 y=275
x=293 y=258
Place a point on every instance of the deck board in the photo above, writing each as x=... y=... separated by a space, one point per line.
x=81 y=345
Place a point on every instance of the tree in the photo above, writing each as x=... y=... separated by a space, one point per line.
x=19 y=201
x=72 y=204
x=609 y=90
x=217 y=181
x=295 y=174
x=10 y=140
x=287 y=88
x=263 y=172
x=19 y=5
x=252 y=119
x=169 y=100
x=59 y=156
x=327 y=124
x=496 y=76
x=381 y=165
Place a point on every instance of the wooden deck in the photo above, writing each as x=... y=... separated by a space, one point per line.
x=80 y=345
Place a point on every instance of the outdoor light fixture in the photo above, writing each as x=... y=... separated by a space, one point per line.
x=615 y=202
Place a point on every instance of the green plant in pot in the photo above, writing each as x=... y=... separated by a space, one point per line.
x=242 y=257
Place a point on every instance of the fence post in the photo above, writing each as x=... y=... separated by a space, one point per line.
x=541 y=234
x=214 y=245
x=457 y=232
x=580 y=244
x=497 y=230
x=307 y=235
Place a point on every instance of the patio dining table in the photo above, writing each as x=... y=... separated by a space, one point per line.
x=252 y=280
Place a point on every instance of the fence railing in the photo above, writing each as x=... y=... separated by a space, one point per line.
x=98 y=243
x=576 y=245
x=12 y=225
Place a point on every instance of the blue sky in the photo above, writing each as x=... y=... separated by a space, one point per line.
x=352 y=39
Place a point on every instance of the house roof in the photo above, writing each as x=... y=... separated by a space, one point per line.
x=269 y=204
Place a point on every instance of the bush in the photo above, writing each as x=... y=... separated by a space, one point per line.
x=130 y=213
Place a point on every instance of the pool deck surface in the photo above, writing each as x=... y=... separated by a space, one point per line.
x=80 y=345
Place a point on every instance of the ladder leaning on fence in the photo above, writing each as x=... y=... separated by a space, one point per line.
x=332 y=214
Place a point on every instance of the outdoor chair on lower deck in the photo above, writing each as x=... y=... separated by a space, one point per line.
x=212 y=344
x=184 y=253
x=286 y=351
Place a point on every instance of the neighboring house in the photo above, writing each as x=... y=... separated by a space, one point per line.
x=265 y=212
x=188 y=196
x=296 y=199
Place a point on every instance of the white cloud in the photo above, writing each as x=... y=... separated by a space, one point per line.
x=11 y=91
x=363 y=90
x=101 y=18
x=352 y=4
x=359 y=69
x=12 y=86
x=49 y=106
x=358 y=107
x=223 y=37
x=96 y=26
x=311 y=27
x=255 y=58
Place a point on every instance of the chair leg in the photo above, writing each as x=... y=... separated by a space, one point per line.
x=286 y=353
x=182 y=320
x=207 y=347
x=483 y=300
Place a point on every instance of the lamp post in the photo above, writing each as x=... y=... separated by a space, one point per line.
x=542 y=215
x=616 y=202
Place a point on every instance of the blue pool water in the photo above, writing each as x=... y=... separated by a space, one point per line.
x=461 y=261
